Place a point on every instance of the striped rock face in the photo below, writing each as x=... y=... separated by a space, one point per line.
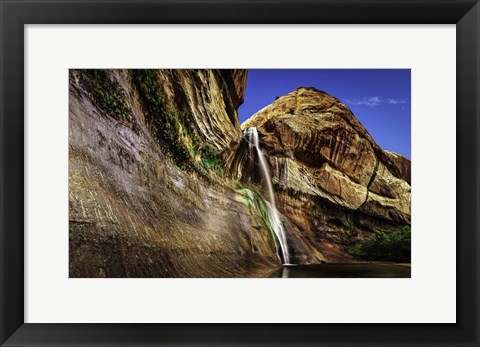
x=331 y=177
x=147 y=194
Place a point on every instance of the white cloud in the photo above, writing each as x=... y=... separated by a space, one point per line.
x=375 y=101
x=371 y=102
x=395 y=101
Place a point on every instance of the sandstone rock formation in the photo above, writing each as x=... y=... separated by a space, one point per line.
x=146 y=192
x=331 y=177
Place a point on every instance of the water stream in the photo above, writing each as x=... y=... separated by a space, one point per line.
x=251 y=135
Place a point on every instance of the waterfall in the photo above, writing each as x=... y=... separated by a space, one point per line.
x=251 y=135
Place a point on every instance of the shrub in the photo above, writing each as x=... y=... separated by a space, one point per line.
x=385 y=246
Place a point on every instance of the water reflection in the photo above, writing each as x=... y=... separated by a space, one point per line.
x=357 y=270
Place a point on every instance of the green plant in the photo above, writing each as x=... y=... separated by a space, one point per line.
x=174 y=128
x=385 y=246
x=169 y=126
x=255 y=202
x=145 y=81
x=211 y=160
x=107 y=95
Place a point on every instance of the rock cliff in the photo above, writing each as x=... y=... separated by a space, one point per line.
x=146 y=189
x=332 y=179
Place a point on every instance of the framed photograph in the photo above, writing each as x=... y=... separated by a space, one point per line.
x=240 y=173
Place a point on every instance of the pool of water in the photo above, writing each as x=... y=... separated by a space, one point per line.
x=356 y=270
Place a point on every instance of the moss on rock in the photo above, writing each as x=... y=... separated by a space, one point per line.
x=107 y=94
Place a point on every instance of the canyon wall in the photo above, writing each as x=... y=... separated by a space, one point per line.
x=147 y=194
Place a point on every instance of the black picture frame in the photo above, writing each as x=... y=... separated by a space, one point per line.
x=17 y=13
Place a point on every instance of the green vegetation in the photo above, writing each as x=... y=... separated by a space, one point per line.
x=211 y=159
x=107 y=94
x=254 y=201
x=385 y=246
x=167 y=125
x=174 y=128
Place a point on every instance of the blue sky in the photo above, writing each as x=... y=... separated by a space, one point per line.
x=379 y=98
